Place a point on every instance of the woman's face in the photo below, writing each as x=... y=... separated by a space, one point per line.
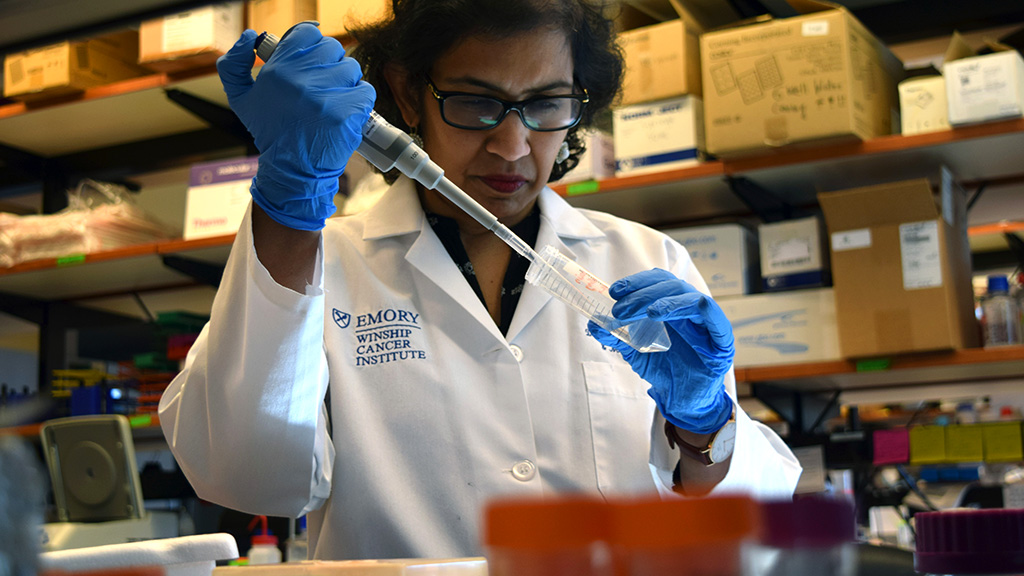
x=503 y=168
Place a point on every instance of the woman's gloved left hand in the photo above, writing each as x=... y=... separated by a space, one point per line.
x=687 y=380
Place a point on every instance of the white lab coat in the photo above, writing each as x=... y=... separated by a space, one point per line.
x=434 y=411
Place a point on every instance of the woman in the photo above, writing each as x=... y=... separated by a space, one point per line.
x=450 y=381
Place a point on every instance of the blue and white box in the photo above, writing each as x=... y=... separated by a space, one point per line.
x=657 y=136
x=784 y=328
x=218 y=195
x=725 y=254
x=793 y=254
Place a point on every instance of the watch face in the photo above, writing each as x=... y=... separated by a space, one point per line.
x=724 y=442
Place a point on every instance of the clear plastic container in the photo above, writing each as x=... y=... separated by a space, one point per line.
x=810 y=536
x=547 y=537
x=1000 y=316
x=967 y=541
x=574 y=285
x=699 y=537
x=297 y=545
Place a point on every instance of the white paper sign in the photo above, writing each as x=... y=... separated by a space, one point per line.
x=851 y=240
x=920 y=255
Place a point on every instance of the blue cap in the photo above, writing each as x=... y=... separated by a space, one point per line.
x=998 y=283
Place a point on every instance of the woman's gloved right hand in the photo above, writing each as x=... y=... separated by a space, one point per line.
x=306 y=111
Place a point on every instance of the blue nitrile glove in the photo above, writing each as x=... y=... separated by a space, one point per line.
x=306 y=111
x=687 y=380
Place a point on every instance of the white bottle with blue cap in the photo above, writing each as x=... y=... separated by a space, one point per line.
x=999 y=314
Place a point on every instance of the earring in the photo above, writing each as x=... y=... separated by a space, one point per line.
x=414 y=133
x=563 y=153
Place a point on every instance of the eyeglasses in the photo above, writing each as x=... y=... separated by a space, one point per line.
x=540 y=113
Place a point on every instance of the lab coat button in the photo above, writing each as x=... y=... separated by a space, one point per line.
x=517 y=352
x=524 y=471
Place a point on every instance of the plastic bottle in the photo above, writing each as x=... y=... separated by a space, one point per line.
x=811 y=536
x=698 y=537
x=547 y=537
x=297 y=546
x=982 y=542
x=999 y=314
x=264 y=548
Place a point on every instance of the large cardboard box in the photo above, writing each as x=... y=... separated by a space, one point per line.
x=901 y=268
x=339 y=17
x=662 y=61
x=70 y=67
x=725 y=254
x=817 y=76
x=218 y=195
x=658 y=135
x=783 y=328
x=984 y=88
x=189 y=39
x=277 y=16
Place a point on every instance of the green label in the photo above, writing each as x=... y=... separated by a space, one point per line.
x=140 y=420
x=874 y=365
x=71 y=260
x=586 y=187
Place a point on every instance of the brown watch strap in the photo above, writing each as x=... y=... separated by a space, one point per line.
x=701 y=454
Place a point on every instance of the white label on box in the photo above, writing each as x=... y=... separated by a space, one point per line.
x=815 y=28
x=919 y=251
x=791 y=252
x=851 y=240
x=187 y=30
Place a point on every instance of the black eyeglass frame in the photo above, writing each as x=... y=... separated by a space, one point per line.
x=442 y=95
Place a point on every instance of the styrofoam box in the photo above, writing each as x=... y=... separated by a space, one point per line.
x=982 y=88
x=923 y=106
x=597 y=162
x=784 y=327
x=218 y=195
x=658 y=135
x=725 y=254
x=182 y=556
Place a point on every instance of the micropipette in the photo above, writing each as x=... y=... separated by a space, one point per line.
x=387 y=148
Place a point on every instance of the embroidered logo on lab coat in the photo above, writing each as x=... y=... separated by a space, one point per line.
x=383 y=336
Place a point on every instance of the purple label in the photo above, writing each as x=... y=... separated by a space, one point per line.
x=223 y=171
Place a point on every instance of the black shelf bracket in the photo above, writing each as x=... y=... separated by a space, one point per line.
x=205 y=272
x=766 y=205
x=805 y=412
x=215 y=115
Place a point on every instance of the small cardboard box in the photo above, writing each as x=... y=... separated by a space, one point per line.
x=218 y=195
x=70 y=67
x=783 y=328
x=339 y=17
x=793 y=254
x=597 y=162
x=964 y=443
x=901 y=268
x=817 y=76
x=725 y=254
x=277 y=16
x=661 y=61
x=923 y=105
x=927 y=444
x=658 y=136
x=189 y=39
x=984 y=88
x=1003 y=442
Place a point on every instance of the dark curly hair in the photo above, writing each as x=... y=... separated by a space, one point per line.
x=421 y=31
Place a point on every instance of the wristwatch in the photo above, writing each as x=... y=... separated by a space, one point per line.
x=719 y=447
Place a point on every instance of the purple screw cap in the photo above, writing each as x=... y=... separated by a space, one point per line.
x=809 y=522
x=970 y=542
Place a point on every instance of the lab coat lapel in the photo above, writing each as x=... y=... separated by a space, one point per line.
x=562 y=227
x=399 y=213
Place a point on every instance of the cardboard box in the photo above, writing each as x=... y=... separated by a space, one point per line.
x=189 y=39
x=598 y=162
x=1003 y=442
x=339 y=17
x=923 y=105
x=658 y=136
x=793 y=254
x=927 y=444
x=277 y=16
x=70 y=67
x=726 y=256
x=901 y=268
x=661 y=61
x=984 y=88
x=817 y=76
x=784 y=328
x=964 y=443
x=218 y=195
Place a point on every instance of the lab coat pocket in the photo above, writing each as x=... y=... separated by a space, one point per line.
x=621 y=415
